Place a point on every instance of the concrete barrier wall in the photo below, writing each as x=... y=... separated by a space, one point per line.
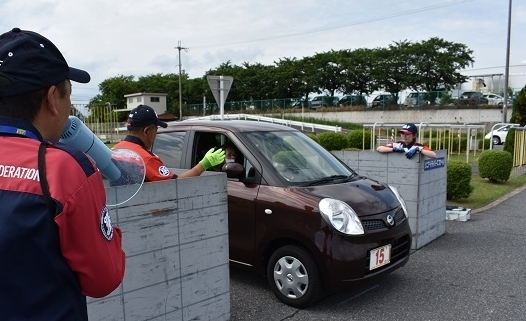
x=421 y=181
x=435 y=116
x=175 y=235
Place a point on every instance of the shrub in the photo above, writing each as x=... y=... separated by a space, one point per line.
x=314 y=137
x=446 y=99
x=455 y=141
x=495 y=165
x=359 y=139
x=509 y=144
x=290 y=159
x=458 y=180
x=333 y=141
x=518 y=114
x=486 y=143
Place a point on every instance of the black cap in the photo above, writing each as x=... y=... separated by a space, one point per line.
x=31 y=62
x=409 y=129
x=143 y=115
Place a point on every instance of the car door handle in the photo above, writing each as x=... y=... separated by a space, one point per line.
x=268 y=211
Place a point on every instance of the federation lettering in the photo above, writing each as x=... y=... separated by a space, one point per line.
x=8 y=171
x=434 y=163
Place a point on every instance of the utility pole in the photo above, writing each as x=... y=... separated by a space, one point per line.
x=507 y=72
x=179 y=47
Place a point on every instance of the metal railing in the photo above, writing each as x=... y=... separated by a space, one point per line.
x=519 y=150
x=301 y=125
x=438 y=136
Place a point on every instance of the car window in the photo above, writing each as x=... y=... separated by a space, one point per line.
x=169 y=146
x=296 y=157
x=204 y=141
x=250 y=170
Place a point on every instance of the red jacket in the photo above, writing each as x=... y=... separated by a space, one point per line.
x=155 y=168
x=51 y=261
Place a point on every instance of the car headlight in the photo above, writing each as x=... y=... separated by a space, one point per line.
x=400 y=199
x=341 y=216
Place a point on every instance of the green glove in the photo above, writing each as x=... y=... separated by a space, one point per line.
x=213 y=158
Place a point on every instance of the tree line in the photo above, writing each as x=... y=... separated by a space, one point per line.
x=428 y=65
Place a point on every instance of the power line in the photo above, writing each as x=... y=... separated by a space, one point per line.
x=333 y=27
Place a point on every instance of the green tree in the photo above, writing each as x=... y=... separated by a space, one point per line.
x=327 y=75
x=427 y=65
x=165 y=84
x=518 y=114
x=113 y=91
x=357 y=67
x=257 y=81
x=227 y=69
x=437 y=63
x=290 y=76
x=393 y=67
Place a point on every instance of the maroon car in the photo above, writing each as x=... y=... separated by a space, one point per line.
x=297 y=214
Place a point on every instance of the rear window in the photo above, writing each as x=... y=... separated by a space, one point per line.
x=169 y=146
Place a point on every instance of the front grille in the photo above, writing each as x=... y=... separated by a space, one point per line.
x=373 y=224
x=399 y=249
x=376 y=224
x=399 y=216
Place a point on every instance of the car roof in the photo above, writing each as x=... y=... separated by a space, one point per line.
x=231 y=125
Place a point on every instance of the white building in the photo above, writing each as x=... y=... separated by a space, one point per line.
x=491 y=79
x=155 y=100
x=485 y=80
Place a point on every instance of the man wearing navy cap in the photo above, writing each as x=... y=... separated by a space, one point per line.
x=142 y=127
x=408 y=144
x=57 y=243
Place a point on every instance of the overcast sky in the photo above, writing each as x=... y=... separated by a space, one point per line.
x=109 y=38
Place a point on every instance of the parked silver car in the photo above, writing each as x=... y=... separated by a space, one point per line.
x=416 y=99
x=323 y=101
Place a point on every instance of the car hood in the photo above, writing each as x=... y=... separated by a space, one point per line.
x=365 y=196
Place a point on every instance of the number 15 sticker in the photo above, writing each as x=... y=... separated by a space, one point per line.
x=380 y=256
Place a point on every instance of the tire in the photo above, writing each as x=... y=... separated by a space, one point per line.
x=294 y=276
x=496 y=140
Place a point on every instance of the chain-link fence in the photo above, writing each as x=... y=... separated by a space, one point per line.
x=455 y=99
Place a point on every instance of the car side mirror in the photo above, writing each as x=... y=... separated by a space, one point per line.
x=233 y=170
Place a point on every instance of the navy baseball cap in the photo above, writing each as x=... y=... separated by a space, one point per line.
x=142 y=116
x=30 y=62
x=409 y=129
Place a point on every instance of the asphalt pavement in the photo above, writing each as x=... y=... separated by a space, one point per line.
x=475 y=271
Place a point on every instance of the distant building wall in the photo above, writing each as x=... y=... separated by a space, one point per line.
x=445 y=116
x=155 y=100
x=491 y=79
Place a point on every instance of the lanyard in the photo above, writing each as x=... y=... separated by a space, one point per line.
x=17 y=131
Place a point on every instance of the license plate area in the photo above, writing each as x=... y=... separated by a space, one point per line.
x=380 y=256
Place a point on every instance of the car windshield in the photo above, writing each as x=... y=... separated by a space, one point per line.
x=299 y=159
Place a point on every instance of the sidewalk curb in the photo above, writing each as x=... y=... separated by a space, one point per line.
x=500 y=200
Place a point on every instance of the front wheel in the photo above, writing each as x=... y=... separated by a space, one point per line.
x=294 y=276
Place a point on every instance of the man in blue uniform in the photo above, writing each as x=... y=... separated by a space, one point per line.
x=57 y=243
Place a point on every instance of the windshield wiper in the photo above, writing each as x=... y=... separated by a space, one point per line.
x=327 y=179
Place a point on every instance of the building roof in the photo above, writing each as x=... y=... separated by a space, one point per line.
x=166 y=116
